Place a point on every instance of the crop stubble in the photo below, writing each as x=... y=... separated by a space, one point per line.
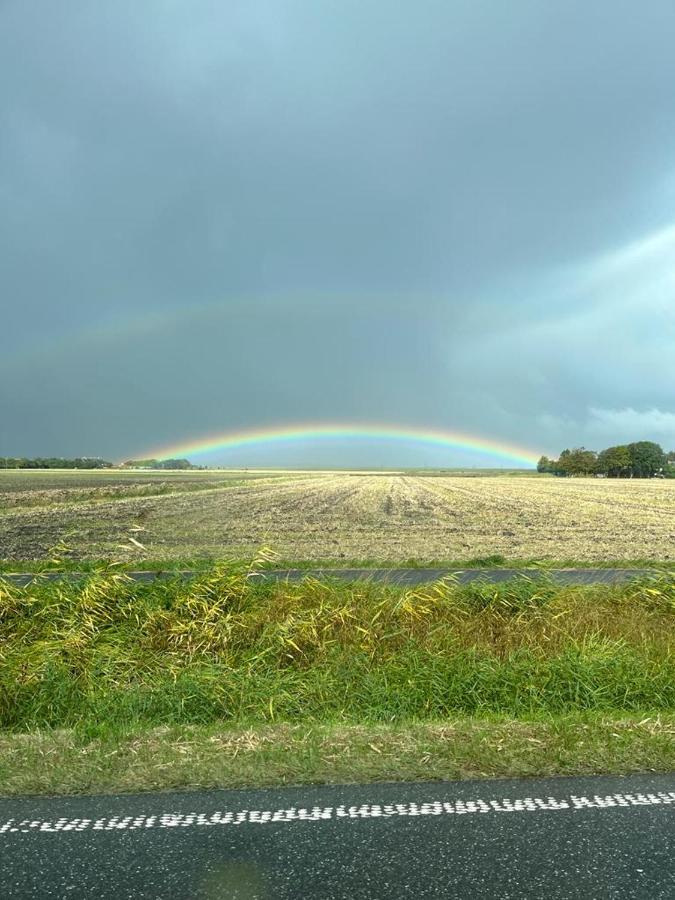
x=326 y=515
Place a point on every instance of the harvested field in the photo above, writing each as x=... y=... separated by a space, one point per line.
x=40 y=487
x=333 y=516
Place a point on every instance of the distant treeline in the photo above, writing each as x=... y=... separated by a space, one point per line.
x=643 y=459
x=54 y=462
x=87 y=462
x=159 y=464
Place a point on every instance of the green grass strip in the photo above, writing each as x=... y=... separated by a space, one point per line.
x=219 y=756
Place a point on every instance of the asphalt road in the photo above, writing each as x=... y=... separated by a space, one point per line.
x=543 y=838
x=394 y=576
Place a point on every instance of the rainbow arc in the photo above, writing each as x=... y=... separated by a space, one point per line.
x=305 y=433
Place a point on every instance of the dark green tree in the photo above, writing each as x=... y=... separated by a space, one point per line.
x=647 y=458
x=615 y=462
x=545 y=464
x=160 y=464
x=578 y=461
x=54 y=462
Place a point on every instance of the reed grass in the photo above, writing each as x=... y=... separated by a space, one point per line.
x=106 y=652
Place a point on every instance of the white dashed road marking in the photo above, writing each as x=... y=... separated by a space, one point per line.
x=323 y=813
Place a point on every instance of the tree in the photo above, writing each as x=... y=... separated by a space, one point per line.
x=579 y=461
x=615 y=461
x=141 y=463
x=647 y=458
x=159 y=464
x=642 y=459
x=174 y=464
x=54 y=462
x=545 y=464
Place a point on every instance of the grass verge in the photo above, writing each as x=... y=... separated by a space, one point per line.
x=213 y=756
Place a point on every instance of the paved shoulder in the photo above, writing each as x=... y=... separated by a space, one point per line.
x=555 y=838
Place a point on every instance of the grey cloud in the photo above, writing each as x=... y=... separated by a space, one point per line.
x=383 y=212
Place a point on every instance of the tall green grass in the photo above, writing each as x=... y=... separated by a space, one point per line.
x=108 y=651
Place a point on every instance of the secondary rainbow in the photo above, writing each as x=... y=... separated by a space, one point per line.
x=234 y=440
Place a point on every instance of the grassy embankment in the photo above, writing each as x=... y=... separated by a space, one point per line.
x=106 y=684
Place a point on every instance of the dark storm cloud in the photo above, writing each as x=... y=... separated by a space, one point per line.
x=219 y=215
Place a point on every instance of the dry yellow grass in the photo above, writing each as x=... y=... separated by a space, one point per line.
x=343 y=516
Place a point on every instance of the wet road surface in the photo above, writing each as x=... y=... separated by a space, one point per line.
x=603 y=837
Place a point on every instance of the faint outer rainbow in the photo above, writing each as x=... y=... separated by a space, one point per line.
x=233 y=440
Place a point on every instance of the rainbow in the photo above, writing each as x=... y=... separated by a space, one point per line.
x=232 y=440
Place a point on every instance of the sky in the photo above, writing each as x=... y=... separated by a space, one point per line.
x=446 y=215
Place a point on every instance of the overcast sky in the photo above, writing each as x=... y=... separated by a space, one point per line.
x=218 y=215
